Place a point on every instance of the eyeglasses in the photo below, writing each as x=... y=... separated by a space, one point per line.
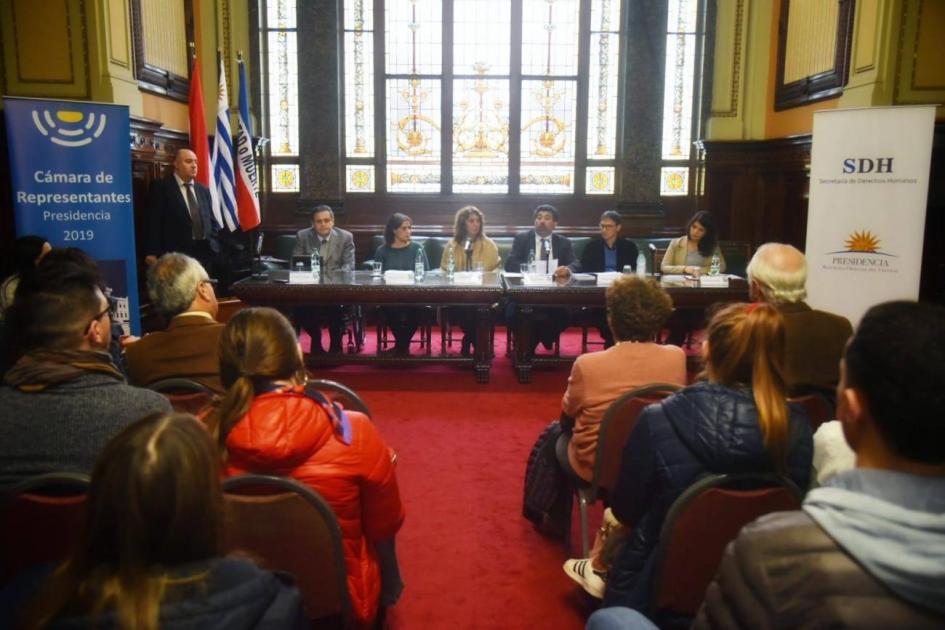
x=212 y=281
x=607 y=226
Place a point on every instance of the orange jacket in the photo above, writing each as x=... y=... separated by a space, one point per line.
x=286 y=433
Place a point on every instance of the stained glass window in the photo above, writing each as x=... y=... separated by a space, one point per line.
x=547 y=144
x=283 y=78
x=445 y=88
x=678 y=88
x=481 y=93
x=359 y=78
x=285 y=178
x=413 y=136
x=603 y=80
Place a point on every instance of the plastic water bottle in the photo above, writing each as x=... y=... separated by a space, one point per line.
x=450 y=263
x=316 y=266
x=715 y=265
x=641 y=265
x=418 y=270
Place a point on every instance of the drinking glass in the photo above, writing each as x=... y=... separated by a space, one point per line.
x=376 y=269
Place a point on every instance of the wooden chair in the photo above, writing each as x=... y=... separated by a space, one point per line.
x=343 y=394
x=698 y=526
x=185 y=394
x=818 y=408
x=615 y=428
x=285 y=525
x=39 y=521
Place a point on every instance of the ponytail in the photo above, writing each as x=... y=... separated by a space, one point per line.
x=746 y=346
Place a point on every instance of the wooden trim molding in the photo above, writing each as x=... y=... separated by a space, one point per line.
x=152 y=78
x=823 y=85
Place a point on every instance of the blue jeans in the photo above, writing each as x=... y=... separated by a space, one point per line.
x=619 y=618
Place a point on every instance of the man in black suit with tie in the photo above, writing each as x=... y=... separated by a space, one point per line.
x=179 y=215
x=547 y=247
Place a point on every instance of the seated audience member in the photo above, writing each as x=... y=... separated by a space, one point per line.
x=75 y=256
x=149 y=554
x=179 y=289
x=470 y=247
x=777 y=274
x=737 y=421
x=692 y=253
x=867 y=550
x=607 y=253
x=335 y=247
x=636 y=310
x=28 y=251
x=269 y=422
x=543 y=246
x=400 y=253
x=63 y=399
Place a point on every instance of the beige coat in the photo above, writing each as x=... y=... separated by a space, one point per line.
x=674 y=261
x=484 y=251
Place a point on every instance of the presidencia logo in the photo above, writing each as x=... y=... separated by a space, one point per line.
x=69 y=128
x=862 y=253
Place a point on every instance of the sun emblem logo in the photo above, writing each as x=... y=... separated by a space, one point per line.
x=863 y=242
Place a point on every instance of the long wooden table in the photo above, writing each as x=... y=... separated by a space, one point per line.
x=574 y=293
x=360 y=288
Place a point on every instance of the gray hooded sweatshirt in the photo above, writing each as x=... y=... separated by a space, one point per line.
x=893 y=524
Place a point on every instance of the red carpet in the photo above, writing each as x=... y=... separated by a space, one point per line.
x=468 y=558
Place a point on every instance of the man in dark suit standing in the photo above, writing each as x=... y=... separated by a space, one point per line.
x=179 y=215
x=336 y=249
x=550 y=250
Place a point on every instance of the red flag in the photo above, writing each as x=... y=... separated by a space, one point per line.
x=198 y=132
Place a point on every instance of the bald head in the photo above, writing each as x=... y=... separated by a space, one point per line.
x=185 y=164
x=777 y=274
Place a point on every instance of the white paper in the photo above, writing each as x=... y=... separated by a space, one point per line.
x=467 y=277
x=302 y=277
x=397 y=276
x=607 y=278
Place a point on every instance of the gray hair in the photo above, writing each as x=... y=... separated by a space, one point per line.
x=173 y=282
x=780 y=273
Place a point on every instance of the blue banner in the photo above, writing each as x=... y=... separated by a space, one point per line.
x=70 y=166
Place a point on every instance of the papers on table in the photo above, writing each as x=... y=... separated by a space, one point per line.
x=606 y=278
x=302 y=277
x=537 y=279
x=467 y=277
x=397 y=276
x=713 y=282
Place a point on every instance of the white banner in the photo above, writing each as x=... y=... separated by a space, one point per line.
x=869 y=187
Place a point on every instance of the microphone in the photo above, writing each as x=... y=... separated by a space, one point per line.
x=652 y=247
x=468 y=246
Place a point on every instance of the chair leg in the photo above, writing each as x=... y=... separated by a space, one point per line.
x=585 y=534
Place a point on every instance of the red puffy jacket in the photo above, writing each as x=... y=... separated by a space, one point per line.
x=286 y=433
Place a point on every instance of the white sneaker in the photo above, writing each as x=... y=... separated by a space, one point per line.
x=591 y=580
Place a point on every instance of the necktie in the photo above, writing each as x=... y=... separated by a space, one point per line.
x=194 y=208
x=322 y=244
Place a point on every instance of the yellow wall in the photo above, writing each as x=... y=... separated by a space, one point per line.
x=896 y=59
x=82 y=49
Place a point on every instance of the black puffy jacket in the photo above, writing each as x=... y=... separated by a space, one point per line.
x=703 y=429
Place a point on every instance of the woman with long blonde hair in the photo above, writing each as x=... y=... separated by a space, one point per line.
x=270 y=422
x=149 y=553
x=736 y=420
